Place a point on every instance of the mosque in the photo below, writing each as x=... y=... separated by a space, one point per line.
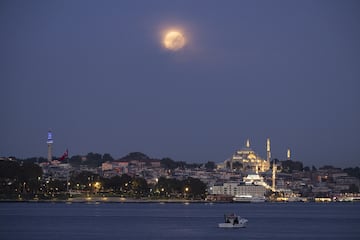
x=249 y=160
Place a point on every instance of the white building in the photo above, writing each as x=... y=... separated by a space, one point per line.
x=253 y=185
x=233 y=189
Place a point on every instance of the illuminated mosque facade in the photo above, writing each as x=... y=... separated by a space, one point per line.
x=249 y=159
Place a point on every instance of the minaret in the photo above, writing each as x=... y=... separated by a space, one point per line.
x=288 y=154
x=248 y=143
x=49 y=143
x=268 y=151
x=273 y=176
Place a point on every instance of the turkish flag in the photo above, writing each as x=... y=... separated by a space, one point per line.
x=65 y=155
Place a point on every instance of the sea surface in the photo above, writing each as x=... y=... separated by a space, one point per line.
x=178 y=221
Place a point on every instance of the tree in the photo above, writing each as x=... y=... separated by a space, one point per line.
x=194 y=188
x=168 y=163
x=107 y=158
x=57 y=186
x=166 y=187
x=34 y=159
x=93 y=159
x=210 y=166
x=19 y=178
x=114 y=183
x=9 y=169
x=188 y=188
x=139 y=187
x=30 y=171
x=289 y=166
x=135 y=156
x=75 y=161
x=85 y=179
x=125 y=183
x=9 y=177
x=306 y=169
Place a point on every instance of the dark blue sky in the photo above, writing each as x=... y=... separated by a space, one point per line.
x=96 y=74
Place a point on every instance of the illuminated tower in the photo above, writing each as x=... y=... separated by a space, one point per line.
x=49 y=143
x=268 y=151
x=248 y=143
x=288 y=154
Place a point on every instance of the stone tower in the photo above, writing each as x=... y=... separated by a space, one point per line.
x=49 y=144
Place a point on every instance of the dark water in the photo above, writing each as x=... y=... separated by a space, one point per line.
x=177 y=221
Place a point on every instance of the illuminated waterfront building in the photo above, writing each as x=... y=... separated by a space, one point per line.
x=252 y=185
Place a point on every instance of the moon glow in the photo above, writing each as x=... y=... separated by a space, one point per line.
x=174 y=40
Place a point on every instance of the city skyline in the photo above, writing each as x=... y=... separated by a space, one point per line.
x=98 y=76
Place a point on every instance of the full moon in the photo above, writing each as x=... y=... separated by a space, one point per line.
x=174 y=40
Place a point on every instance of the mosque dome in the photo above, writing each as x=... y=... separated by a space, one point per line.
x=249 y=159
x=251 y=156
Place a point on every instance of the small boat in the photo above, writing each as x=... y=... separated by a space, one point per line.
x=233 y=221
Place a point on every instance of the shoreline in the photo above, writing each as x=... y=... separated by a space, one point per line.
x=104 y=200
x=97 y=200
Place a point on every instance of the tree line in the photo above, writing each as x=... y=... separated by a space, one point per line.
x=19 y=178
x=94 y=160
x=25 y=180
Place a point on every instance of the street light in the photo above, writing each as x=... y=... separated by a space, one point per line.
x=186 y=191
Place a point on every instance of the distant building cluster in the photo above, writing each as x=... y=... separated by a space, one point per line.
x=245 y=176
x=150 y=170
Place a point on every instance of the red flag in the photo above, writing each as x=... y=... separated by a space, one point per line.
x=65 y=155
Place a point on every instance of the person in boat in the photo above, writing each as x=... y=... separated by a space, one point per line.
x=231 y=218
x=236 y=220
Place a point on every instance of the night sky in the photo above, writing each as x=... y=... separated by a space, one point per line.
x=96 y=74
